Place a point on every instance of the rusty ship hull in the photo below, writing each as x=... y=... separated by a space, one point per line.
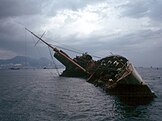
x=118 y=76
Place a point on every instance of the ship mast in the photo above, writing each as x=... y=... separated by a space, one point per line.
x=59 y=52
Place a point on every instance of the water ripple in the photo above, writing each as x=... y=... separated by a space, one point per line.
x=35 y=95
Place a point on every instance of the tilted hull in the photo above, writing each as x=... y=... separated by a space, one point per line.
x=125 y=80
x=113 y=73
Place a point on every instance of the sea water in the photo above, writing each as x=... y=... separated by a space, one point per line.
x=41 y=95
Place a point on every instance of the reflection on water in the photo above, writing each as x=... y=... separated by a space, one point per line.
x=41 y=95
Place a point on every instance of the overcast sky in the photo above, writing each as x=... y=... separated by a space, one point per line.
x=131 y=28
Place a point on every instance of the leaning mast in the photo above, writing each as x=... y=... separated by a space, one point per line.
x=59 y=52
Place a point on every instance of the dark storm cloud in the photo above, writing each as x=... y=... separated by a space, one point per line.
x=142 y=47
x=143 y=38
x=17 y=14
x=14 y=38
x=13 y=8
x=38 y=15
x=143 y=8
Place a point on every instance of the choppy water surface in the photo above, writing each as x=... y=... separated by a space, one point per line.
x=41 y=95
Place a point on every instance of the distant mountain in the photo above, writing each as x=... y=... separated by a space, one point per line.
x=15 y=60
x=26 y=62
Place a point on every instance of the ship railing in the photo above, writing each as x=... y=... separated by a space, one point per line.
x=122 y=70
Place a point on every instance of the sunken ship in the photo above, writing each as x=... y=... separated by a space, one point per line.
x=115 y=74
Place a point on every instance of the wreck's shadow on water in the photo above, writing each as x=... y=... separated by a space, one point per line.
x=36 y=95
